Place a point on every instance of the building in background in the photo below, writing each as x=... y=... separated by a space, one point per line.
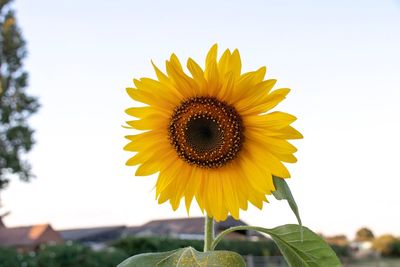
x=189 y=228
x=28 y=238
x=96 y=237
x=185 y=228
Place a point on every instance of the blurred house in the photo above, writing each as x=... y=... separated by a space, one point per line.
x=28 y=238
x=186 y=228
x=338 y=240
x=96 y=237
x=362 y=243
x=189 y=228
x=362 y=249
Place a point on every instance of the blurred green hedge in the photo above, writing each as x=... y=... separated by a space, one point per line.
x=67 y=255
x=137 y=245
x=77 y=255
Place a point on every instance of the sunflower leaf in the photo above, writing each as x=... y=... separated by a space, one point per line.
x=283 y=192
x=310 y=251
x=185 y=257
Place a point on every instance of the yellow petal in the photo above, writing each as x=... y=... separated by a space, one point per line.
x=289 y=158
x=256 y=176
x=168 y=173
x=254 y=95
x=236 y=63
x=142 y=96
x=263 y=103
x=231 y=198
x=273 y=120
x=257 y=200
x=160 y=75
x=226 y=88
x=193 y=186
x=147 y=169
x=224 y=62
x=181 y=184
x=242 y=192
x=276 y=166
x=142 y=112
x=153 y=121
x=263 y=158
x=211 y=70
x=154 y=164
x=137 y=159
x=286 y=133
x=164 y=93
x=198 y=76
x=184 y=84
x=141 y=142
x=154 y=150
x=246 y=82
x=279 y=145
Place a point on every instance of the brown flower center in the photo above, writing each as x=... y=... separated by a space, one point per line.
x=206 y=132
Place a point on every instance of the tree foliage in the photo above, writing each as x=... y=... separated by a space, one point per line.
x=385 y=244
x=15 y=104
x=364 y=234
x=395 y=248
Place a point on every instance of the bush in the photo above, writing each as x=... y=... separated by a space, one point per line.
x=383 y=244
x=137 y=245
x=9 y=258
x=110 y=257
x=67 y=255
x=395 y=248
x=341 y=251
x=74 y=255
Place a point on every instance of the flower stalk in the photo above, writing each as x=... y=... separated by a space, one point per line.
x=208 y=233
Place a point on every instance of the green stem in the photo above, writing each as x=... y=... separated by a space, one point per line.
x=208 y=233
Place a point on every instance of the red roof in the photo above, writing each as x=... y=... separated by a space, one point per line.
x=28 y=235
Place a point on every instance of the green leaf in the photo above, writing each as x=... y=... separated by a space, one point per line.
x=310 y=251
x=283 y=192
x=185 y=257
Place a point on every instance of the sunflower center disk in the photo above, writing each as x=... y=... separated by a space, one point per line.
x=203 y=134
x=206 y=132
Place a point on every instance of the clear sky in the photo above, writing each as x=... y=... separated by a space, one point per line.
x=341 y=59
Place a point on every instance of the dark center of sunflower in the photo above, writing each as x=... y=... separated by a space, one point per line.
x=206 y=132
x=203 y=134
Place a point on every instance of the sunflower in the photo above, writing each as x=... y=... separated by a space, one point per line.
x=209 y=135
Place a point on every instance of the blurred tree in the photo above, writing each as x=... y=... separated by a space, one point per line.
x=384 y=244
x=364 y=234
x=396 y=248
x=15 y=105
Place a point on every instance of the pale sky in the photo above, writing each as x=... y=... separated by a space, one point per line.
x=340 y=58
